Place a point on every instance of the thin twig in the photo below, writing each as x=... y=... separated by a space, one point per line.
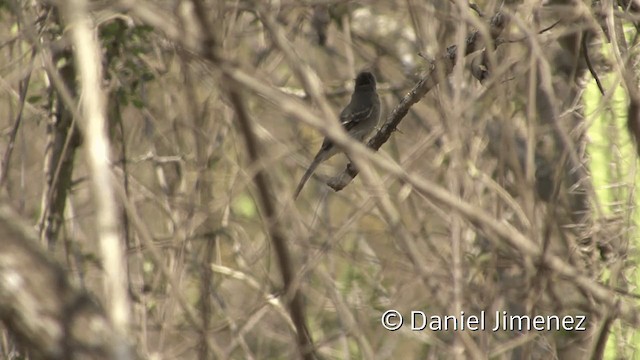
x=158 y=260
x=587 y=59
x=6 y=160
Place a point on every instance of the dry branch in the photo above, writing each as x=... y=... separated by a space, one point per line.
x=93 y=124
x=39 y=306
x=292 y=293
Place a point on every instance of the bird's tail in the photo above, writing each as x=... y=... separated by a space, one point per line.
x=314 y=164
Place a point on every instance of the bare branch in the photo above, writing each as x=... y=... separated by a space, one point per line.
x=278 y=239
x=42 y=309
x=86 y=54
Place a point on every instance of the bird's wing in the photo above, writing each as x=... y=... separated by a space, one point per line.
x=349 y=118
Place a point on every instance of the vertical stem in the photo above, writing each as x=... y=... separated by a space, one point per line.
x=93 y=123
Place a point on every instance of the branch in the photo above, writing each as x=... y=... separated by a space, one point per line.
x=39 y=306
x=93 y=123
x=293 y=295
x=440 y=69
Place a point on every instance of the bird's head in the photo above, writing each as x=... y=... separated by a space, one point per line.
x=365 y=78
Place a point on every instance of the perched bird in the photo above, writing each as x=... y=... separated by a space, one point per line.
x=358 y=118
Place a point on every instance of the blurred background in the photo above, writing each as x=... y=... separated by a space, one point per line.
x=532 y=132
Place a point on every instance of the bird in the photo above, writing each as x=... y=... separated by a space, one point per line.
x=358 y=118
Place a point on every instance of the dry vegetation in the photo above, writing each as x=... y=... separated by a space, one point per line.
x=150 y=150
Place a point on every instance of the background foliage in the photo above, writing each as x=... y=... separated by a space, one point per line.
x=509 y=185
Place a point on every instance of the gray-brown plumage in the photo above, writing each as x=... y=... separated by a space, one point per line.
x=358 y=118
